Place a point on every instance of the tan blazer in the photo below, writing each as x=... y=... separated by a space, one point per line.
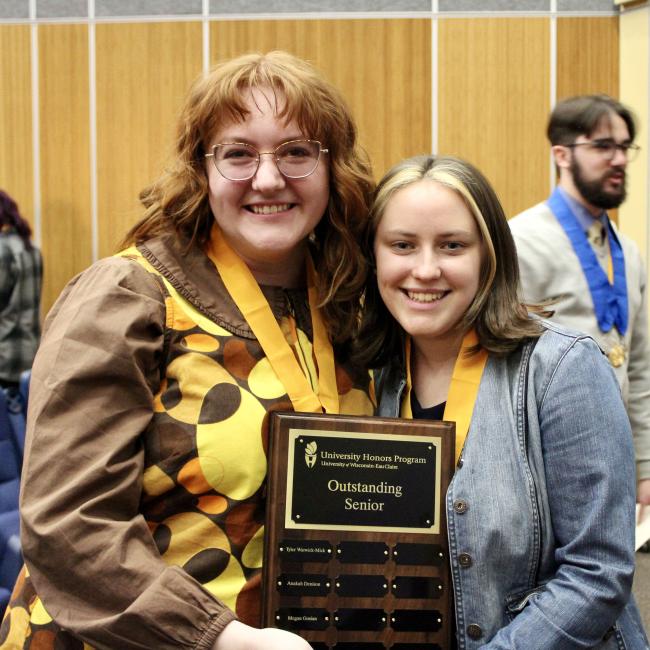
x=550 y=269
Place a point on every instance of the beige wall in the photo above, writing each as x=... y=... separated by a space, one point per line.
x=634 y=215
x=635 y=75
x=104 y=96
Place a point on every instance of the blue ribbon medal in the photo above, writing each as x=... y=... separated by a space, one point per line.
x=610 y=300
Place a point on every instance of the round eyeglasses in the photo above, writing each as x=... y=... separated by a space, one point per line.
x=608 y=148
x=238 y=161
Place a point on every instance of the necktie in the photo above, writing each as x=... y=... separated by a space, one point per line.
x=596 y=234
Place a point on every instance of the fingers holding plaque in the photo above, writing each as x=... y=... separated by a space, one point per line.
x=356 y=547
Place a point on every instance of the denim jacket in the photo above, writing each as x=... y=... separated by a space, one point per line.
x=540 y=509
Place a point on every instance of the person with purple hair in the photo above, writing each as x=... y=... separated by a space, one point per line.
x=21 y=275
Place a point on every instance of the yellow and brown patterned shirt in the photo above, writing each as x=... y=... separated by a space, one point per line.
x=144 y=482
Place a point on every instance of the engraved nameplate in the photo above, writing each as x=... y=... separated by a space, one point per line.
x=416 y=620
x=416 y=587
x=420 y=554
x=302 y=618
x=362 y=552
x=348 y=481
x=303 y=584
x=305 y=550
x=360 y=619
x=361 y=586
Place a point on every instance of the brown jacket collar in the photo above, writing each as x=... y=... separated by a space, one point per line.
x=194 y=276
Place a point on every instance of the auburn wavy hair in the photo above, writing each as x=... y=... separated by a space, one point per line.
x=178 y=199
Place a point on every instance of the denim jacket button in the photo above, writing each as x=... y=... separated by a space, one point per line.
x=465 y=560
x=459 y=464
x=460 y=506
x=474 y=631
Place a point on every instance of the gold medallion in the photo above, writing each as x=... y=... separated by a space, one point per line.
x=616 y=355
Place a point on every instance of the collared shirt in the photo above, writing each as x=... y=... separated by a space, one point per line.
x=21 y=272
x=586 y=221
x=581 y=213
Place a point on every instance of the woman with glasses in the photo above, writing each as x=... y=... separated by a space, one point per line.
x=235 y=295
x=540 y=510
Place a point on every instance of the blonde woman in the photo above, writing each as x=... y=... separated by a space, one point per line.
x=540 y=510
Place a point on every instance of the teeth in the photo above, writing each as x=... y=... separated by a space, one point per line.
x=269 y=209
x=420 y=296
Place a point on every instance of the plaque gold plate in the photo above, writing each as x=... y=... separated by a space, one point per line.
x=352 y=497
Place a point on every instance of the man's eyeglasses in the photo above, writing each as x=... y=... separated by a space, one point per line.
x=608 y=148
x=238 y=161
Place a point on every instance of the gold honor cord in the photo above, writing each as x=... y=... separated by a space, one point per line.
x=250 y=300
x=610 y=268
x=463 y=389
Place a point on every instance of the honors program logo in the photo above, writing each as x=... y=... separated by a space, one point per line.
x=311 y=454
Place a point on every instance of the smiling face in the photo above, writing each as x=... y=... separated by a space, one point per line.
x=429 y=252
x=268 y=218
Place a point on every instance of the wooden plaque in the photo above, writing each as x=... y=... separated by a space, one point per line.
x=356 y=552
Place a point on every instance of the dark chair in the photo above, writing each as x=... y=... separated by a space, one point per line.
x=16 y=412
x=4 y=600
x=11 y=559
x=23 y=387
x=11 y=453
x=10 y=450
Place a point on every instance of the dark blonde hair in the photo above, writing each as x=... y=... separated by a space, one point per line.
x=500 y=319
x=178 y=200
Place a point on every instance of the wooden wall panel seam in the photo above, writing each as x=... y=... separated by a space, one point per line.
x=205 y=36
x=36 y=149
x=92 y=117
x=552 y=91
x=434 y=85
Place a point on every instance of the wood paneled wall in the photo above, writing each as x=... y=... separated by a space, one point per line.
x=143 y=72
x=634 y=70
x=383 y=68
x=16 y=158
x=487 y=85
x=587 y=52
x=64 y=154
x=497 y=71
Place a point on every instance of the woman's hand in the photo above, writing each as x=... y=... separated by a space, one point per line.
x=237 y=636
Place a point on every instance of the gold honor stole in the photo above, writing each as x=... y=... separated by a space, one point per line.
x=247 y=295
x=465 y=381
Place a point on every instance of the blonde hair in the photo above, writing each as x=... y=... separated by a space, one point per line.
x=178 y=200
x=500 y=319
